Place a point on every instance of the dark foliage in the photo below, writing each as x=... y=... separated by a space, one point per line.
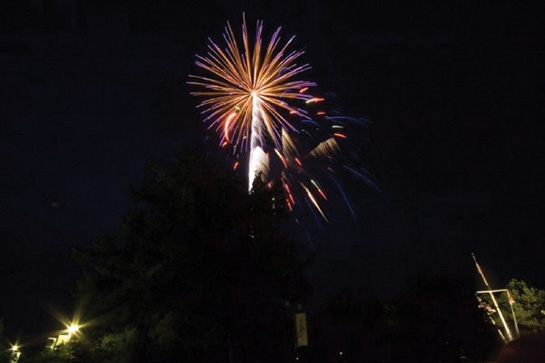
x=528 y=303
x=434 y=319
x=4 y=352
x=437 y=319
x=349 y=328
x=198 y=272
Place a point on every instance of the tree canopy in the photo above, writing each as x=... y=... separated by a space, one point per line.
x=436 y=318
x=528 y=303
x=198 y=271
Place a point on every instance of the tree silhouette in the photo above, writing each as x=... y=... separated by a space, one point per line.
x=349 y=328
x=436 y=319
x=199 y=271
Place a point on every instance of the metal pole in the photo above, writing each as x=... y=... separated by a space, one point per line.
x=492 y=320
x=509 y=336
x=489 y=291
x=511 y=303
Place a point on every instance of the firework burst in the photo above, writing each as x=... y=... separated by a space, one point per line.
x=254 y=101
x=251 y=94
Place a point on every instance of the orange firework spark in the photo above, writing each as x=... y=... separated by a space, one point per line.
x=254 y=101
x=254 y=82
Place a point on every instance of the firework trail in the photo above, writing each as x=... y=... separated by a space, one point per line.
x=250 y=93
x=253 y=100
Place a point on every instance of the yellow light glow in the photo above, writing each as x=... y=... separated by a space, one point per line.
x=15 y=348
x=73 y=328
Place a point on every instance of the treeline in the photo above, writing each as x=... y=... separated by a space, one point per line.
x=200 y=272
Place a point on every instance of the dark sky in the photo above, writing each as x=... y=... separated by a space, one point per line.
x=92 y=92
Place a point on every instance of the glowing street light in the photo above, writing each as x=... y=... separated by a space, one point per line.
x=15 y=353
x=73 y=329
x=70 y=331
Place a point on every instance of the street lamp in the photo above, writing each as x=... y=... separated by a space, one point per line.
x=15 y=353
x=73 y=329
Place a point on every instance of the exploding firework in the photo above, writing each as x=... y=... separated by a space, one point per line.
x=254 y=101
x=251 y=94
x=309 y=177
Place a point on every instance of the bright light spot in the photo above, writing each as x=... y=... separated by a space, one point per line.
x=254 y=94
x=315 y=99
x=15 y=347
x=341 y=352
x=73 y=328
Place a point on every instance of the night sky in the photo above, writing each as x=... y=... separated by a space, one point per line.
x=92 y=93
